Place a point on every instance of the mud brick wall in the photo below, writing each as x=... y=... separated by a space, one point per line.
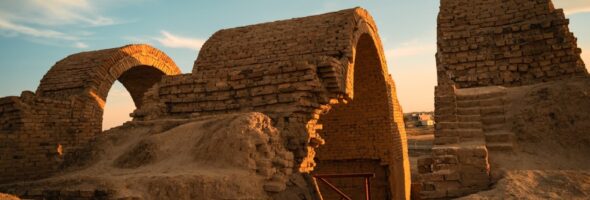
x=508 y=43
x=293 y=86
x=29 y=143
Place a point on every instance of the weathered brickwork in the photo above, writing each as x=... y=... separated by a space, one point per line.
x=40 y=130
x=296 y=78
x=508 y=43
x=321 y=79
x=484 y=46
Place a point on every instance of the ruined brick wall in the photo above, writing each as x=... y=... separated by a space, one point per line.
x=508 y=43
x=488 y=44
x=29 y=143
x=40 y=130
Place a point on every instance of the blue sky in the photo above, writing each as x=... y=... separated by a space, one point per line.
x=34 y=34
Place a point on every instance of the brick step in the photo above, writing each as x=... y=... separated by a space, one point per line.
x=446 y=140
x=493 y=119
x=489 y=110
x=473 y=138
x=470 y=125
x=497 y=101
x=499 y=137
x=469 y=118
x=468 y=111
x=484 y=96
x=500 y=146
x=494 y=127
x=467 y=103
x=464 y=132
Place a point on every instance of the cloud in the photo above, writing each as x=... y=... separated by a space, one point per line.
x=80 y=45
x=49 y=19
x=571 y=7
x=34 y=32
x=174 y=41
x=54 y=12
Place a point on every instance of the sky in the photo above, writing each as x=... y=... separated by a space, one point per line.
x=34 y=34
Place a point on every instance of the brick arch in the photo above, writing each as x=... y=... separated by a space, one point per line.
x=137 y=67
x=365 y=132
x=85 y=79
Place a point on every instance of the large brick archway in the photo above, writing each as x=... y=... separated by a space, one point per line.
x=362 y=134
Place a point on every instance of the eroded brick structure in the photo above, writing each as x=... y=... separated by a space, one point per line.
x=322 y=79
x=39 y=129
x=483 y=47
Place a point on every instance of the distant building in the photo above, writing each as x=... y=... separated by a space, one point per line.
x=425 y=119
x=417 y=119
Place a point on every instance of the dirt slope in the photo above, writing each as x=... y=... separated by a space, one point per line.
x=238 y=156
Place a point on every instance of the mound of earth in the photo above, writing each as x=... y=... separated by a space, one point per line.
x=234 y=156
x=551 y=122
x=539 y=184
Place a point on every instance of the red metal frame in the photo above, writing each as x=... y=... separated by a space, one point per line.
x=367 y=177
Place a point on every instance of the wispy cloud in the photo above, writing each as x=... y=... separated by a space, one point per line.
x=174 y=41
x=49 y=19
x=34 y=32
x=571 y=7
x=80 y=45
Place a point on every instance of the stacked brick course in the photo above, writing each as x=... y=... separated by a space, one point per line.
x=508 y=43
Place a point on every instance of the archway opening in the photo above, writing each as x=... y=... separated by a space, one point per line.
x=117 y=107
x=359 y=134
x=126 y=94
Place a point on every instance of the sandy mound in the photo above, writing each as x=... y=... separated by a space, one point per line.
x=238 y=156
x=540 y=184
x=551 y=122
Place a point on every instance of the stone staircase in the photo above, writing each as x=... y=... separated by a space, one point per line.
x=471 y=125
x=491 y=104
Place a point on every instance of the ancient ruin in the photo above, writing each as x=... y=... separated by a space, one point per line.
x=268 y=107
x=486 y=50
x=320 y=79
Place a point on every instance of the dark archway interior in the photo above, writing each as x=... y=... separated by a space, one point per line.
x=138 y=80
x=355 y=132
